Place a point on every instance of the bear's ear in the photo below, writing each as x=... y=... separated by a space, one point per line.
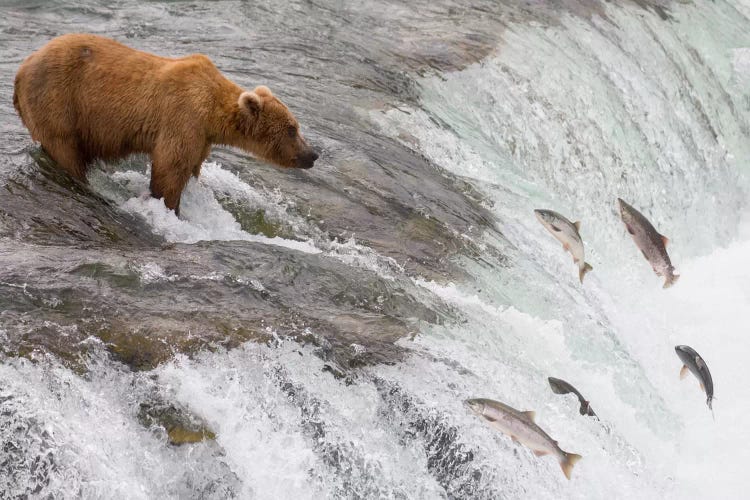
x=263 y=91
x=251 y=102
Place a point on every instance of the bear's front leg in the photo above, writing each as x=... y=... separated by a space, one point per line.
x=65 y=153
x=172 y=164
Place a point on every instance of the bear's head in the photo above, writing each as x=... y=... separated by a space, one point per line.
x=271 y=131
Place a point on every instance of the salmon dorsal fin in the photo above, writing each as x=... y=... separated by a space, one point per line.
x=530 y=415
x=577 y=225
x=664 y=239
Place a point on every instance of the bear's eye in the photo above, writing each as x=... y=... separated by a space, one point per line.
x=291 y=131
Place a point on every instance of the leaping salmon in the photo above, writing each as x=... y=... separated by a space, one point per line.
x=693 y=362
x=560 y=386
x=652 y=244
x=566 y=233
x=520 y=426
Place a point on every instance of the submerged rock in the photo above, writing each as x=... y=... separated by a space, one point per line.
x=181 y=426
x=179 y=435
x=256 y=221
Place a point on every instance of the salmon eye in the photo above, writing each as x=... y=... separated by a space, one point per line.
x=291 y=131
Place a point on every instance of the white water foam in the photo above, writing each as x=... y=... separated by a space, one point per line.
x=285 y=429
x=202 y=218
x=86 y=442
x=245 y=395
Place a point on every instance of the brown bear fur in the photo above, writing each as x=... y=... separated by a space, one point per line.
x=85 y=97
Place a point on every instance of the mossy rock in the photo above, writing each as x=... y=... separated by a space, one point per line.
x=179 y=435
x=139 y=343
x=254 y=221
x=140 y=349
x=159 y=339
x=182 y=427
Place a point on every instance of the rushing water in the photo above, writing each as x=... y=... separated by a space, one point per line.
x=327 y=324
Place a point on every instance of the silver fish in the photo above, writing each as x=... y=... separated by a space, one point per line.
x=560 y=386
x=566 y=233
x=649 y=241
x=520 y=426
x=692 y=361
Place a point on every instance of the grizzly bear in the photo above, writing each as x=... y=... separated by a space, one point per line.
x=85 y=97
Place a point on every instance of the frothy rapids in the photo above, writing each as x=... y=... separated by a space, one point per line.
x=328 y=325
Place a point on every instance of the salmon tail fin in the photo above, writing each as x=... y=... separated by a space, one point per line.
x=671 y=280
x=586 y=408
x=567 y=463
x=583 y=270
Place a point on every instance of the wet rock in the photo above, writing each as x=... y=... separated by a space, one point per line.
x=179 y=435
x=73 y=215
x=181 y=426
x=97 y=270
x=156 y=340
x=146 y=305
x=256 y=221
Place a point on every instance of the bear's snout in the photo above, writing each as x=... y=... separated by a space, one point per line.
x=307 y=159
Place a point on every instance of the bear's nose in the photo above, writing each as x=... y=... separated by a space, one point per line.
x=307 y=159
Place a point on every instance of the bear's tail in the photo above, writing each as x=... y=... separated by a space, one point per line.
x=16 y=103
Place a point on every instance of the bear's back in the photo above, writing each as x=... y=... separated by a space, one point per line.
x=115 y=98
